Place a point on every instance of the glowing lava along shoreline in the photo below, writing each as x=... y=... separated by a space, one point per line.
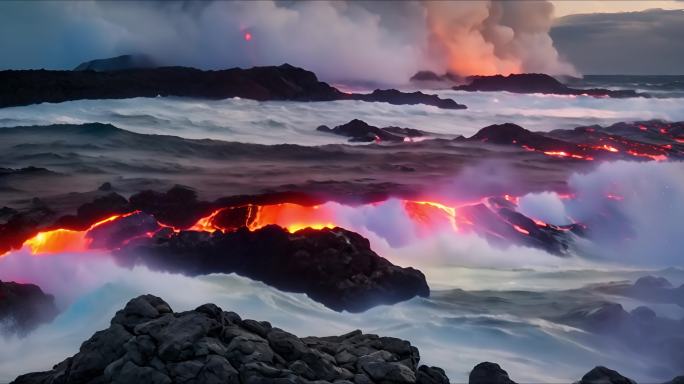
x=426 y=218
x=492 y=217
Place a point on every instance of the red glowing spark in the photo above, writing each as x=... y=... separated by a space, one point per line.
x=247 y=36
x=615 y=197
x=648 y=155
x=512 y=199
x=609 y=148
x=566 y=154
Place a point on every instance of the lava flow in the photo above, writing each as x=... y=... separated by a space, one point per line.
x=492 y=217
x=66 y=240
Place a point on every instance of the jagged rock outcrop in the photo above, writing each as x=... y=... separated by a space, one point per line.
x=537 y=83
x=360 y=131
x=603 y=375
x=489 y=373
x=335 y=267
x=148 y=343
x=23 y=307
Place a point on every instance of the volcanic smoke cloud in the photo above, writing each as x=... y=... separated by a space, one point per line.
x=384 y=42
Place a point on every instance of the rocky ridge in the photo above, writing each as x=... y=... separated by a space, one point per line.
x=93 y=81
x=148 y=343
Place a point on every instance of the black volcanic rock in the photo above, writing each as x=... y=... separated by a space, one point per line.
x=148 y=343
x=647 y=288
x=489 y=373
x=433 y=78
x=178 y=206
x=508 y=133
x=23 y=307
x=22 y=225
x=396 y=97
x=99 y=209
x=360 y=131
x=283 y=82
x=335 y=267
x=603 y=375
x=117 y=63
x=536 y=83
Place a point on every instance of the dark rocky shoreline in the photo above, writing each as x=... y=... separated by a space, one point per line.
x=148 y=343
x=538 y=83
x=284 y=82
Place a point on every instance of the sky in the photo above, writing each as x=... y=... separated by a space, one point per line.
x=384 y=42
x=571 y=7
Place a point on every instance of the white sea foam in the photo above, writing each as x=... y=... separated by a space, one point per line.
x=277 y=122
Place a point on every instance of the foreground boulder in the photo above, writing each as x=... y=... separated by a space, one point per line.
x=23 y=307
x=148 y=343
x=335 y=267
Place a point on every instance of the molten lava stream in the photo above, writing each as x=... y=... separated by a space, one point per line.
x=58 y=240
x=427 y=217
x=65 y=240
x=294 y=217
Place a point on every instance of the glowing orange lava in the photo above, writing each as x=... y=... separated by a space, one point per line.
x=65 y=240
x=427 y=217
x=608 y=148
x=429 y=213
x=521 y=230
x=567 y=154
x=648 y=155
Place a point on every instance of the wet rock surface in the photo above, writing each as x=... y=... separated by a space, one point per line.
x=335 y=267
x=360 y=131
x=148 y=343
x=23 y=307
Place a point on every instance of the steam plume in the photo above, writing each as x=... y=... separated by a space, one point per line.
x=486 y=38
x=363 y=41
